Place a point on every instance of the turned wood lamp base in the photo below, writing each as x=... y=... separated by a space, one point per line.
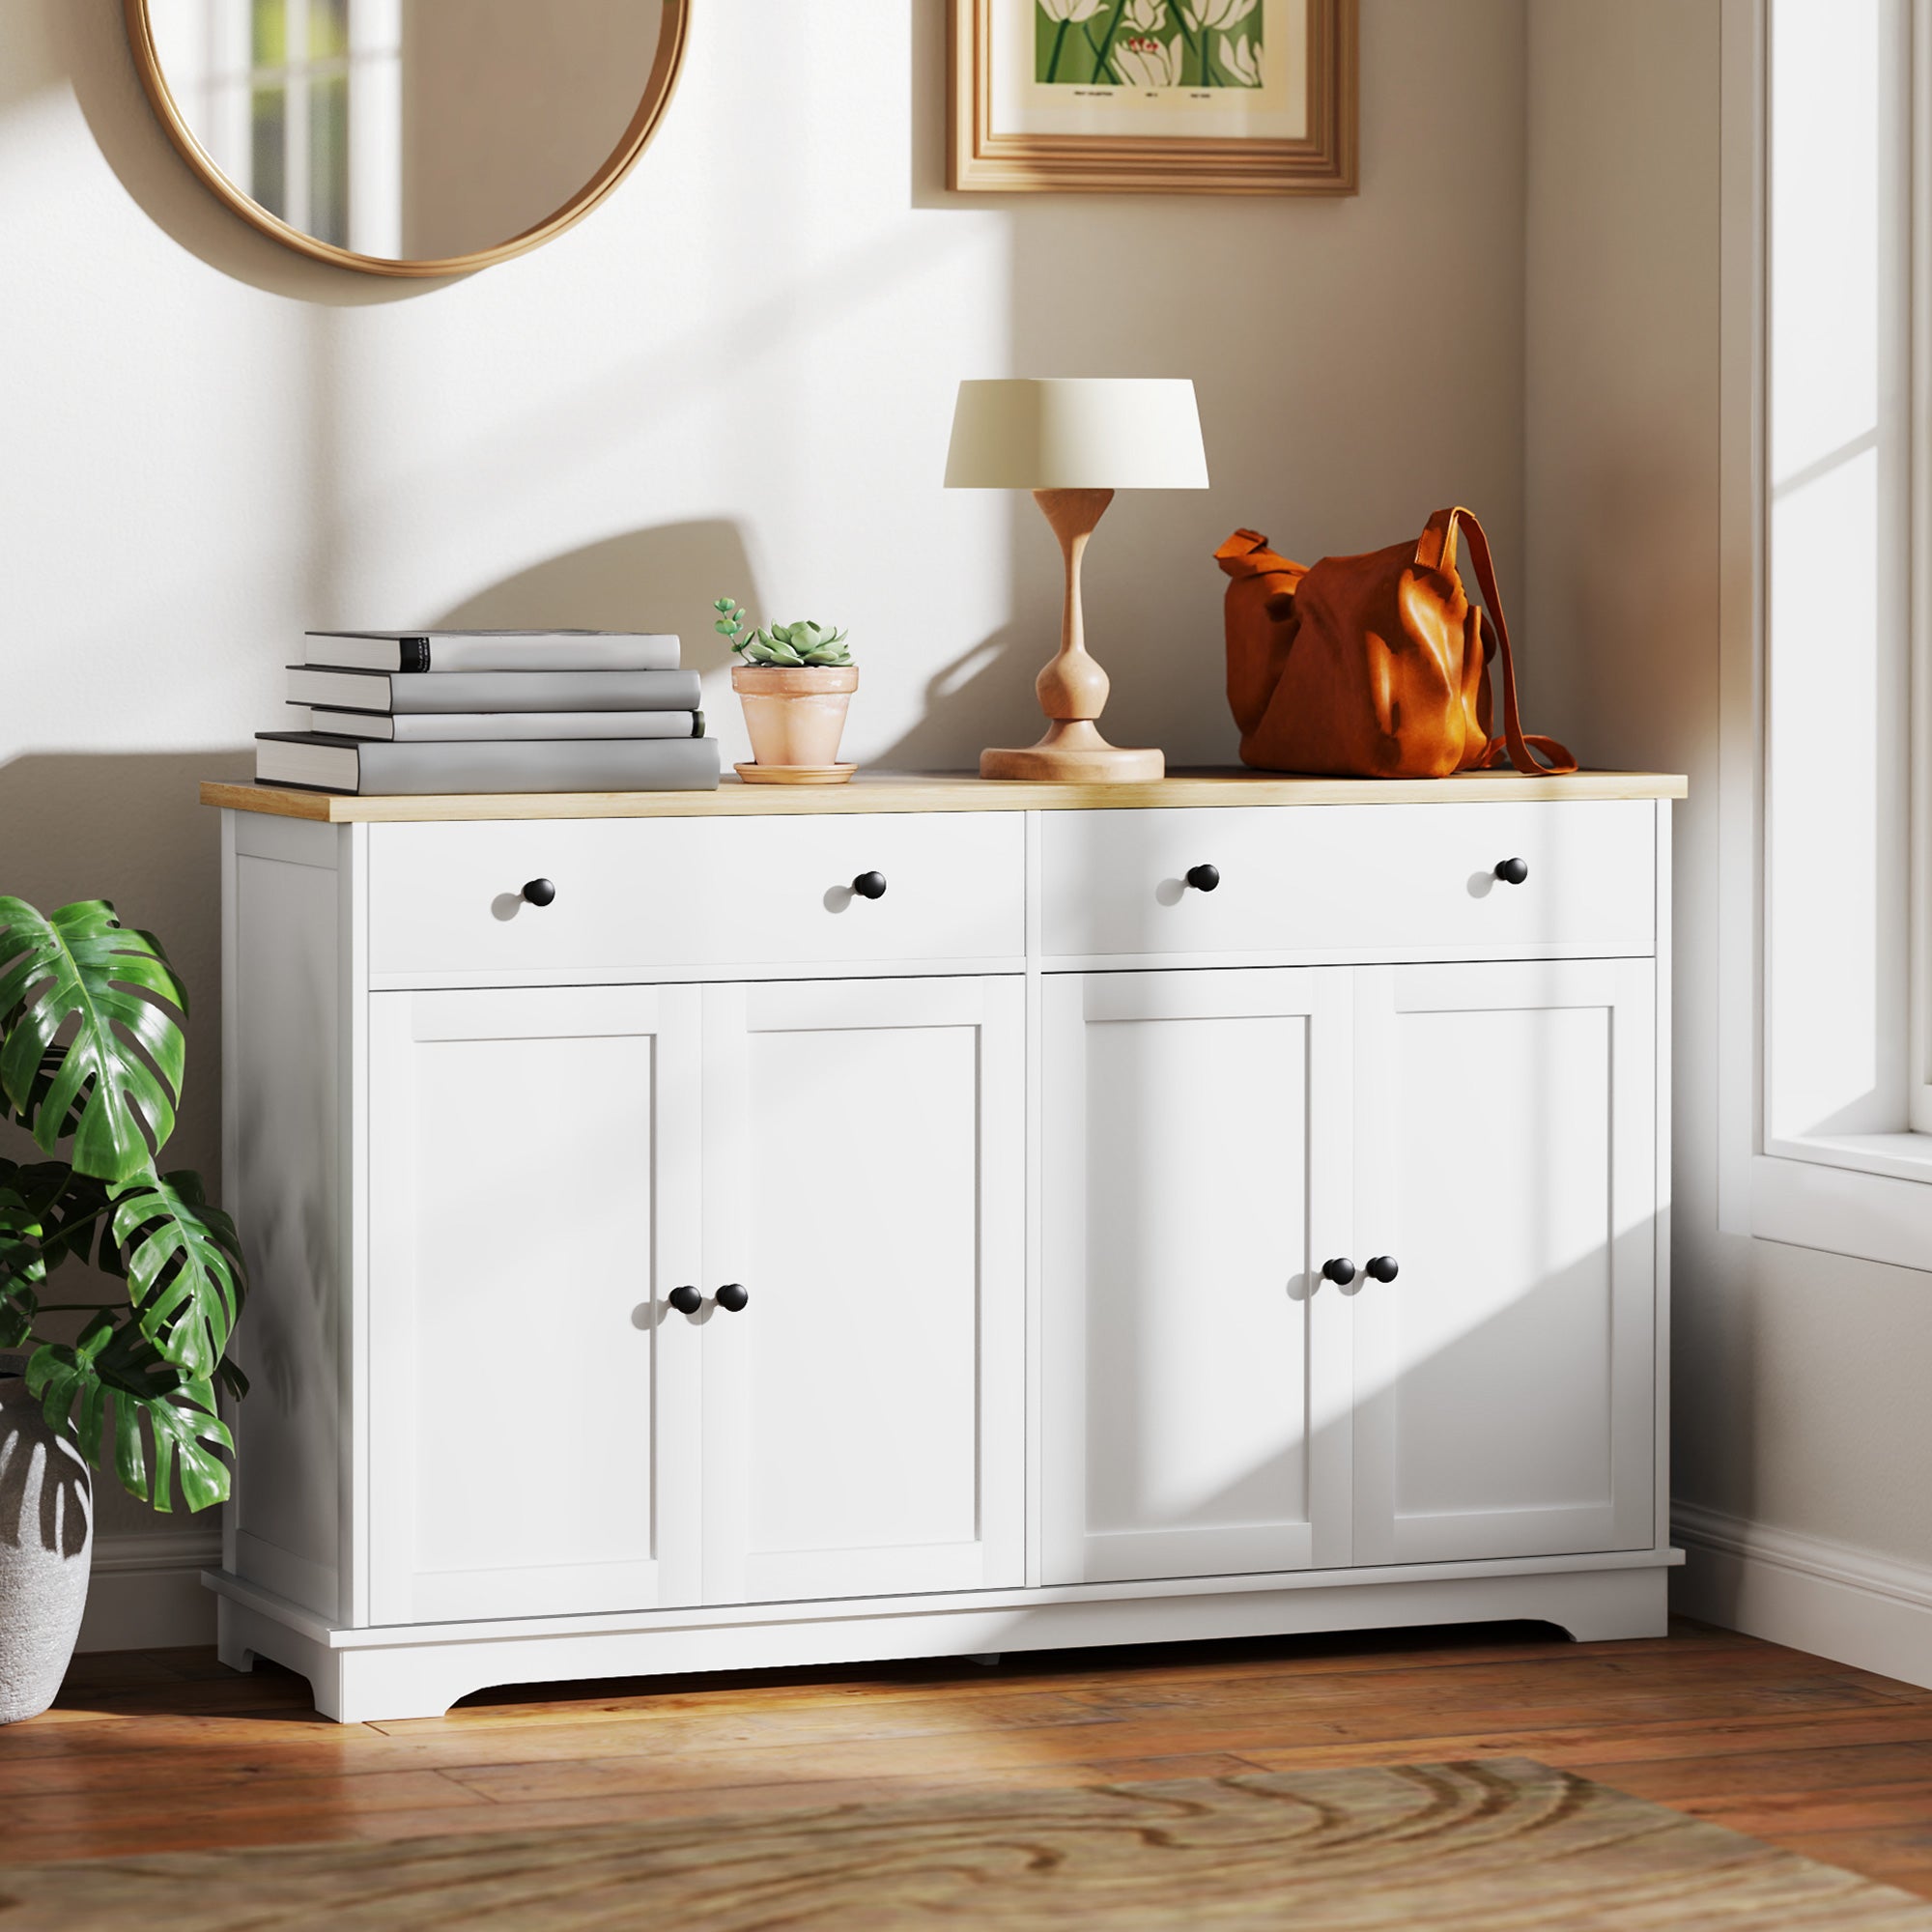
x=1058 y=759
x=1073 y=688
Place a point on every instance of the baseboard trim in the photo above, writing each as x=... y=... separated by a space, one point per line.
x=146 y=1592
x=1828 y=1598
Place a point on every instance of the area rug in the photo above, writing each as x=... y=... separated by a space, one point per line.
x=1505 y=1845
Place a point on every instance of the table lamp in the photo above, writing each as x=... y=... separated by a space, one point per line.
x=1073 y=442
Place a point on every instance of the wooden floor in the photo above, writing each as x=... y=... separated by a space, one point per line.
x=169 y=1751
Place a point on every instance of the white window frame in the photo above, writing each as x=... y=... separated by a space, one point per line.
x=1811 y=828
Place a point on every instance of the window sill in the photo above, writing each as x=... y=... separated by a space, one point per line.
x=1868 y=1195
x=1901 y=1156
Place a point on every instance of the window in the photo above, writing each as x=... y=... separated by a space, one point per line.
x=1843 y=1139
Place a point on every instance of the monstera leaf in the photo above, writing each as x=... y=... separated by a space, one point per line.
x=184 y=1262
x=116 y=1363
x=67 y=1213
x=86 y=1045
x=23 y=1266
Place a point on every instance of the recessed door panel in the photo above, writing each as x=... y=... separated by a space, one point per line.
x=864 y=1414
x=532 y=1397
x=1507 y=1164
x=1196 y=1144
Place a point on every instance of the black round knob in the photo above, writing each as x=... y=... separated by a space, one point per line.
x=1340 y=1271
x=686 y=1300
x=1383 y=1267
x=1513 y=871
x=539 y=892
x=732 y=1297
x=869 y=885
x=1203 y=878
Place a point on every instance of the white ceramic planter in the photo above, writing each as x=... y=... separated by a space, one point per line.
x=47 y=1549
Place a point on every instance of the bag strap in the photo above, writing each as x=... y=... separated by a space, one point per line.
x=1437 y=551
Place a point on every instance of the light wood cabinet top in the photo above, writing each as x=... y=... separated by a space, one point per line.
x=940 y=791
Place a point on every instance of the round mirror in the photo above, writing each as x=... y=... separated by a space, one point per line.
x=409 y=137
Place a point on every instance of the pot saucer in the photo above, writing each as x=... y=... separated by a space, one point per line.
x=795 y=775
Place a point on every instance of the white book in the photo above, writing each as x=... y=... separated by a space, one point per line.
x=574 y=764
x=423 y=727
x=496 y=691
x=434 y=651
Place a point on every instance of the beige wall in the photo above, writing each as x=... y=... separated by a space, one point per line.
x=736 y=377
x=509 y=108
x=1800 y=1375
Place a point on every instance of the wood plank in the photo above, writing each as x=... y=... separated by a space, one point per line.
x=196 y=1806
x=940 y=791
x=1900 y=1854
x=1572 y=1746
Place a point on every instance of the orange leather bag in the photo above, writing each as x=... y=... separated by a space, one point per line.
x=1376 y=666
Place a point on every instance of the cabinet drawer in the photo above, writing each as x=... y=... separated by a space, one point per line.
x=714 y=893
x=1370 y=881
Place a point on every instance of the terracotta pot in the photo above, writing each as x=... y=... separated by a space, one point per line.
x=47 y=1549
x=795 y=716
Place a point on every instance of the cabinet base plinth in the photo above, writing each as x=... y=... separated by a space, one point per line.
x=361 y=1676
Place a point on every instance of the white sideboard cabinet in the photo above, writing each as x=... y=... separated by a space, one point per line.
x=928 y=1216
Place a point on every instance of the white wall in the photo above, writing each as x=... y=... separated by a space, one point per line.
x=735 y=376
x=1802 y=1429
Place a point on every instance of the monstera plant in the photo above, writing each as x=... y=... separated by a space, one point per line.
x=90 y=1054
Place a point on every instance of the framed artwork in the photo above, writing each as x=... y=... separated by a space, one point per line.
x=1185 y=97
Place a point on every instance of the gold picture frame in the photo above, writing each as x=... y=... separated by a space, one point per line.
x=985 y=158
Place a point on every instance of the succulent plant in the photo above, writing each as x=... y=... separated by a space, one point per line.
x=790 y=645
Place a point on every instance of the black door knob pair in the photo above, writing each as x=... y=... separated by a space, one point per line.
x=1342 y=1270
x=688 y=1301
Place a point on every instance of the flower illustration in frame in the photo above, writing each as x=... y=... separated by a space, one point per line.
x=1215 y=16
x=1183 y=95
x=1141 y=59
x=1242 y=58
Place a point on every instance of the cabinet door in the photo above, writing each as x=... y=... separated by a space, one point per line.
x=1197 y=1139
x=863 y=1181
x=533 y=1197
x=1506 y=1159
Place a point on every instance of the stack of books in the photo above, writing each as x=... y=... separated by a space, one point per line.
x=481 y=711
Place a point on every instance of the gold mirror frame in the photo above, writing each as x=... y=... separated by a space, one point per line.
x=666 y=68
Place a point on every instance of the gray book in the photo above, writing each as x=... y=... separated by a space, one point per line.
x=439 y=651
x=402 y=692
x=573 y=764
x=423 y=727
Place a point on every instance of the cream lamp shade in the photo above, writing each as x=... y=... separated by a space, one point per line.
x=1076 y=433
x=1073 y=442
